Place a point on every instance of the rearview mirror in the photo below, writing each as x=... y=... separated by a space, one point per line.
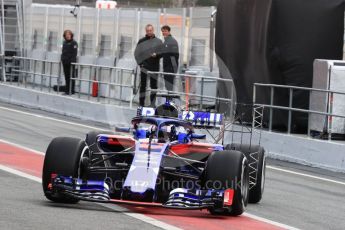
x=123 y=129
x=198 y=136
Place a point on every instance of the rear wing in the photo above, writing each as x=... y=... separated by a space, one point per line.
x=199 y=119
x=203 y=119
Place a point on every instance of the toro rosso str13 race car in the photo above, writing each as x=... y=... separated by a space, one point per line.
x=161 y=161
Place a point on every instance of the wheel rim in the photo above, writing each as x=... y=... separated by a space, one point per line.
x=85 y=149
x=263 y=175
x=244 y=183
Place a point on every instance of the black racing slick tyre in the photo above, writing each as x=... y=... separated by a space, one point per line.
x=254 y=153
x=228 y=170
x=63 y=158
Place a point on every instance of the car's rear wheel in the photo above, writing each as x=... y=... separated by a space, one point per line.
x=255 y=154
x=228 y=170
x=63 y=157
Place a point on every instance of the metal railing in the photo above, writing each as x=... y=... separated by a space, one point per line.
x=290 y=108
x=2 y=68
x=199 y=91
x=45 y=75
x=95 y=76
x=117 y=84
x=38 y=71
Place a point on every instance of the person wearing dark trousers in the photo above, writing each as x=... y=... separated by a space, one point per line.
x=69 y=56
x=171 y=55
x=147 y=55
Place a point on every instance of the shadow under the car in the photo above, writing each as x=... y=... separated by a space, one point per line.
x=79 y=206
x=146 y=210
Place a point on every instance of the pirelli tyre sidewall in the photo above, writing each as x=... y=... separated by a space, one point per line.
x=62 y=157
x=256 y=192
x=228 y=169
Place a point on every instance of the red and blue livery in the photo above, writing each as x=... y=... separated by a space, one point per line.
x=160 y=160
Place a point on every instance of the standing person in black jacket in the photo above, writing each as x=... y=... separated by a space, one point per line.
x=68 y=56
x=147 y=55
x=170 y=53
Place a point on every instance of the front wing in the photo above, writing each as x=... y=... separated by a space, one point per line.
x=98 y=191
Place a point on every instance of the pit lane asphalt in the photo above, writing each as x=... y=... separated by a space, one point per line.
x=295 y=200
x=22 y=206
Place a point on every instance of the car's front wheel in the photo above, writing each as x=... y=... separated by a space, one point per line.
x=228 y=170
x=63 y=157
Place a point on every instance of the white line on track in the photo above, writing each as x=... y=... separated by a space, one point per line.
x=142 y=217
x=53 y=119
x=22 y=147
x=305 y=175
x=137 y=216
x=20 y=173
x=284 y=226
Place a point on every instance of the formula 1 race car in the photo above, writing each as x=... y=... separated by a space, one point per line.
x=163 y=162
